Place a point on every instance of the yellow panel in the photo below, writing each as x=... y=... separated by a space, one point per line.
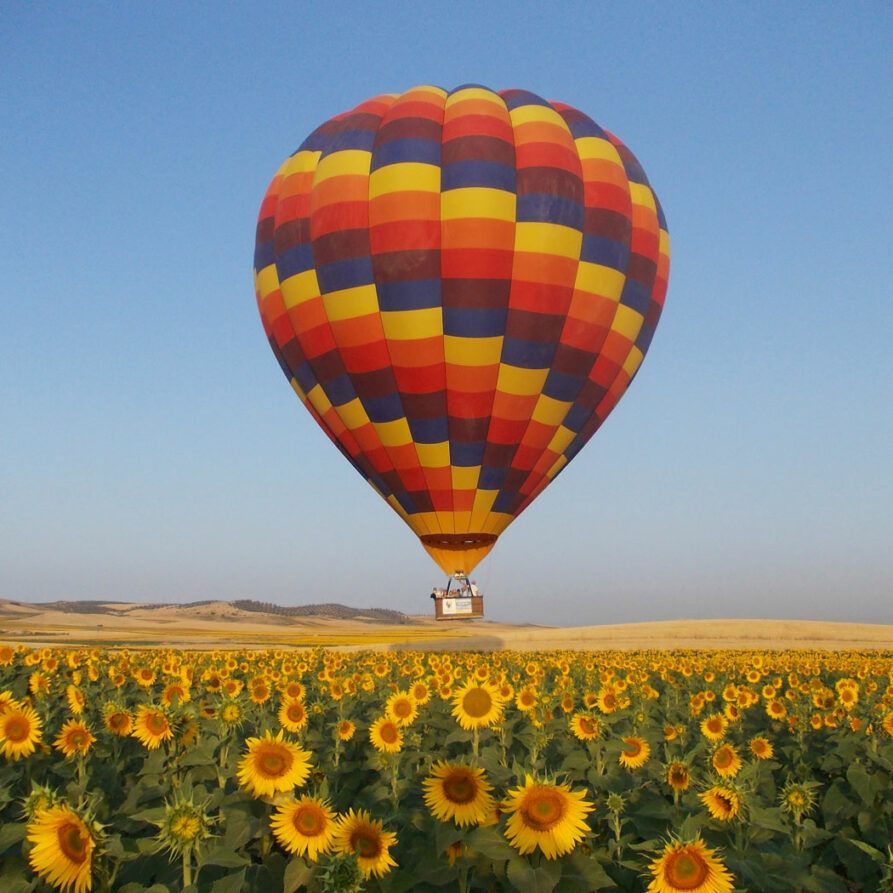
x=352 y=414
x=475 y=93
x=301 y=162
x=392 y=434
x=465 y=477
x=347 y=161
x=447 y=525
x=549 y=411
x=347 y=303
x=600 y=280
x=300 y=288
x=318 y=399
x=409 y=325
x=472 y=351
x=477 y=202
x=633 y=361
x=627 y=322
x=664 y=242
x=548 y=238
x=404 y=176
x=462 y=520
x=429 y=519
x=589 y=147
x=521 y=382
x=434 y=455
x=266 y=281
x=497 y=522
x=559 y=463
x=562 y=439
x=428 y=88
x=525 y=114
x=642 y=195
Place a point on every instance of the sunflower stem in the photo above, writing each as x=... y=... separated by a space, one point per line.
x=475 y=741
x=187 y=868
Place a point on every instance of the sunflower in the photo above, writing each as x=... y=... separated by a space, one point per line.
x=722 y=803
x=725 y=761
x=345 y=730
x=634 y=753
x=585 y=726
x=74 y=738
x=887 y=724
x=231 y=714
x=117 y=720
x=549 y=816
x=151 y=727
x=305 y=827
x=144 y=676
x=454 y=791
x=175 y=690
x=402 y=708
x=526 y=699
x=359 y=835
x=20 y=732
x=292 y=715
x=798 y=798
x=762 y=748
x=272 y=765
x=61 y=849
x=714 y=727
x=420 y=692
x=678 y=776
x=477 y=705
x=691 y=867
x=385 y=735
x=76 y=699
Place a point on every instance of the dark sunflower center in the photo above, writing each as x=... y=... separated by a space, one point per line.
x=403 y=708
x=273 y=763
x=17 y=729
x=543 y=809
x=366 y=844
x=722 y=759
x=117 y=721
x=77 y=739
x=587 y=726
x=72 y=842
x=388 y=733
x=725 y=803
x=477 y=702
x=309 y=821
x=156 y=723
x=632 y=748
x=686 y=870
x=459 y=788
x=295 y=712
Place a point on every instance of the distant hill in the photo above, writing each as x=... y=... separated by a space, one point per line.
x=327 y=610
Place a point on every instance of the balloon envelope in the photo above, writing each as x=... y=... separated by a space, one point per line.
x=460 y=285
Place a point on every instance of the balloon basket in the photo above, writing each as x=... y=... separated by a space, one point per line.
x=460 y=602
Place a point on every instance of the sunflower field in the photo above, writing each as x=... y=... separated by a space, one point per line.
x=146 y=771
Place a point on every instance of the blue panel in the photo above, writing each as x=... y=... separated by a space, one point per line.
x=466 y=322
x=491 y=478
x=394 y=151
x=351 y=139
x=383 y=409
x=536 y=207
x=405 y=501
x=304 y=377
x=643 y=342
x=608 y=252
x=580 y=126
x=263 y=255
x=476 y=172
x=561 y=386
x=340 y=390
x=505 y=502
x=430 y=430
x=347 y=273
x=414 y=294
x=528 y=354
x=516 y=98
x=467 y=455
x=635 y=295
x=576 y=417
x=294 y=260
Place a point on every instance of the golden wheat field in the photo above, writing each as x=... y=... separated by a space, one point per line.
x=264 y=770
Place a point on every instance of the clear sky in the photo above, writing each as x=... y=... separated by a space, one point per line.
x=152 y=450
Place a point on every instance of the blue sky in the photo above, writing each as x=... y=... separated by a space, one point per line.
x=152 y=449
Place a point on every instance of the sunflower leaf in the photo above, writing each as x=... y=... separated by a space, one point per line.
x=526 y=878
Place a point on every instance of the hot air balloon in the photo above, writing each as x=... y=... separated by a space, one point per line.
x=459 y=286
